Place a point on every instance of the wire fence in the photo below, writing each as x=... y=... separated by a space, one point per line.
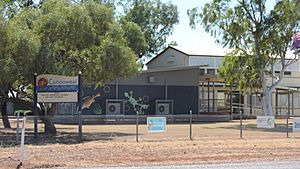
x=133 y=128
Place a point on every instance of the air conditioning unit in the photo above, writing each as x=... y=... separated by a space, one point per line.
x=163 y=108
x=113 y=108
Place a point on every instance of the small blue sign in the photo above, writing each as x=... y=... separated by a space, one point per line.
x=56 y=88
x=156 y=124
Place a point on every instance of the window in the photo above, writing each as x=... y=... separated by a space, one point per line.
x=211 y=71
x=151 y=79
x=202 y=71
x=287 y=73
x=170 y=58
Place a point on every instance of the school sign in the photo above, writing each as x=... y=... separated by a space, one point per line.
x=156 y=124
x=57 y=89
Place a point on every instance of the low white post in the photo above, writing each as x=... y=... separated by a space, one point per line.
x=22 y=140
x=18 y=126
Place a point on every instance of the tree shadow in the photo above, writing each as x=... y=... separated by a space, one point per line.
x=279 y=128
x=8 y=137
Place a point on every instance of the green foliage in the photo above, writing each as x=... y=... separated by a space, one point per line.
x=260 y=36
x=156 y=20
x=85 y=37
x=62 y=37
x=135 y=37
x=137 y=104
x=239 y=68
x=13 y=7
x=18 y=46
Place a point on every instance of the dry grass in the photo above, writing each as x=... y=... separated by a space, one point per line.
x=114 y=145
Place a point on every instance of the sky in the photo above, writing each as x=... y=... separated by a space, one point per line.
x=194 y=40
x=197 y=41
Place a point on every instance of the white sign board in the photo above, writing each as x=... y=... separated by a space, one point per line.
x=296 y=124
x=265 y=121
x=54 y=88
x=156 y=124
x=57 y=97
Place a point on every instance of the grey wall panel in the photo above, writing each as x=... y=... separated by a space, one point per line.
x=148 y=93
x=185 y=98
x=106 y=92
x=187 y=77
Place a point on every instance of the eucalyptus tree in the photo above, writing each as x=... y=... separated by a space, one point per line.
x=13 y=7
x=18 y=46
x=63 y=37
x=259 y=36
x=156 y=19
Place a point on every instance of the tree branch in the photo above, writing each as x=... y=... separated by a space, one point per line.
x=253 y=13
x=242 y=3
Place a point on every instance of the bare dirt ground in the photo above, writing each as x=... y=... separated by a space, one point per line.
x=114 y=145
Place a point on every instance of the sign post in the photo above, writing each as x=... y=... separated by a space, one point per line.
x=35 y=107
x=79 y=108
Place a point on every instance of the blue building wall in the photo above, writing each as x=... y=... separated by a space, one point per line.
x=184 y=98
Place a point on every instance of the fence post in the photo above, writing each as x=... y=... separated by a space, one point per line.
x=137 y=127
x=241 y=125
x=241 y=116
x=22 y=140
x=287 y=124
x=191 y=121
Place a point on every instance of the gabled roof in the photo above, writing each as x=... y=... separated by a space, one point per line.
x=189 y=53
x=169 y=47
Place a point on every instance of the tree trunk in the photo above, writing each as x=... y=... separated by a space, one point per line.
x=4 y=115
x=49 y=125
x=267 y=96
x=3 y=110
x=266 y=100
x=48 y=121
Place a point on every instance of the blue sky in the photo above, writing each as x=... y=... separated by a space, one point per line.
x=195 y=40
